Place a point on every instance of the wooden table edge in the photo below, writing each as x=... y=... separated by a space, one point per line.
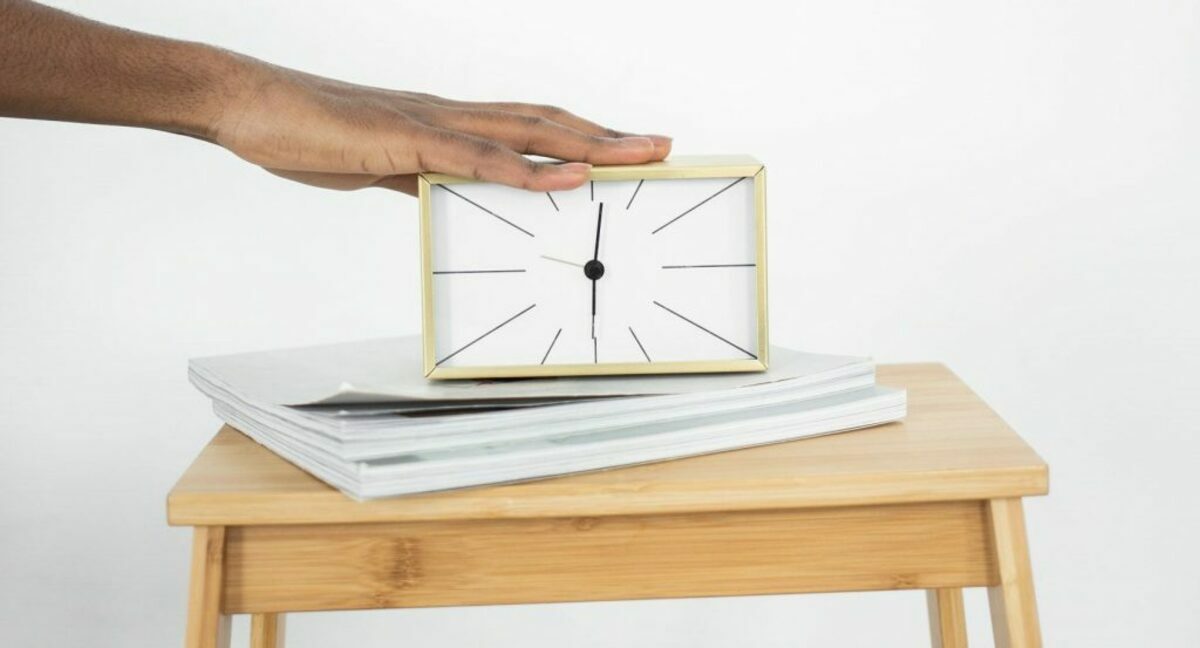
x=817 y=491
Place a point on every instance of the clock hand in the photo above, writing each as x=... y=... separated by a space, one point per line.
x=599 y=220
x=571 y=263
x=594 y=270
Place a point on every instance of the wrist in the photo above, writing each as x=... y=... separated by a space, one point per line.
x=219 y=81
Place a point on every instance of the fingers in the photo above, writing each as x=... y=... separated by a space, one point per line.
x=468 y=156
x=541 y=136
x=386 y=144
x=662 y=143
x=430 y=149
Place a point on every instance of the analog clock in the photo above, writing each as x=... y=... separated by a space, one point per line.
x=657 y=268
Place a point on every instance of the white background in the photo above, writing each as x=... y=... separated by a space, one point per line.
x=1009 y=188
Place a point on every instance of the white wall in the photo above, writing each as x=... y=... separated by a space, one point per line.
x=1010 y=188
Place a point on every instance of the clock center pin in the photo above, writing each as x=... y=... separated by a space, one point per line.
x=593 y=269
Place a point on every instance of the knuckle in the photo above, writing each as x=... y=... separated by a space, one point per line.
x=531 y=121
x=486 y=148
x=531 y=171
x=552 y=111
x=529 y=183
x=447 y=139
x=526 y=145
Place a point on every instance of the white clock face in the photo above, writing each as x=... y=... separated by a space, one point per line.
x=611 y=273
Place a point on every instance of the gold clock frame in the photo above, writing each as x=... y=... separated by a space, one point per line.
x=682 y=167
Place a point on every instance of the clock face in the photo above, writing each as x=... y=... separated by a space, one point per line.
x=621 y=276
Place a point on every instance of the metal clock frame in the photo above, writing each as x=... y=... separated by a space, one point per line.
x=682 y=167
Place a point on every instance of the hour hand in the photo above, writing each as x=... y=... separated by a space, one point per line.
x=570 y=263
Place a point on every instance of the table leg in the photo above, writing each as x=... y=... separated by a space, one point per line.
x=266 y=630
x=1014 y=609
x=207 y=627
x=947 y=617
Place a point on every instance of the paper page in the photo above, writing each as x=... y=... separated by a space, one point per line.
x=389 y=370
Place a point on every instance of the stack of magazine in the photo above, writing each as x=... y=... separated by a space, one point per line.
x=361 y=416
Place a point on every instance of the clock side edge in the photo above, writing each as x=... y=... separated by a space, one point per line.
x=760 y=209
x=425 y=235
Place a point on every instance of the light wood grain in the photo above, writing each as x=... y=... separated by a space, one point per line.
x=1013 y=606
x=320 y=567
x=951 y=447
x=207 y=625
x=947 y=617
x=267 y=630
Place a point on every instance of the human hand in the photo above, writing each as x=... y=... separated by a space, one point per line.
x=339 y=135
x=300 y=126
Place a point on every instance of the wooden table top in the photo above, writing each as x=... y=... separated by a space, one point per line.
x=952 y=446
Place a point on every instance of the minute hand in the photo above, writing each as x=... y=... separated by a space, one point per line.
x=594 y=270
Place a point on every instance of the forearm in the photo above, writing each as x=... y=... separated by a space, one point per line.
x=54 y=65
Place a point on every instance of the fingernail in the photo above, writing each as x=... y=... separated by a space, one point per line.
x=662 y=137
x=636 y=140
x=574 y=167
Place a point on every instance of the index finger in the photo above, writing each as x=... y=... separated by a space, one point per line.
x=468 y=156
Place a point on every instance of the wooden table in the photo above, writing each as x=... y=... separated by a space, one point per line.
x=933 y=503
